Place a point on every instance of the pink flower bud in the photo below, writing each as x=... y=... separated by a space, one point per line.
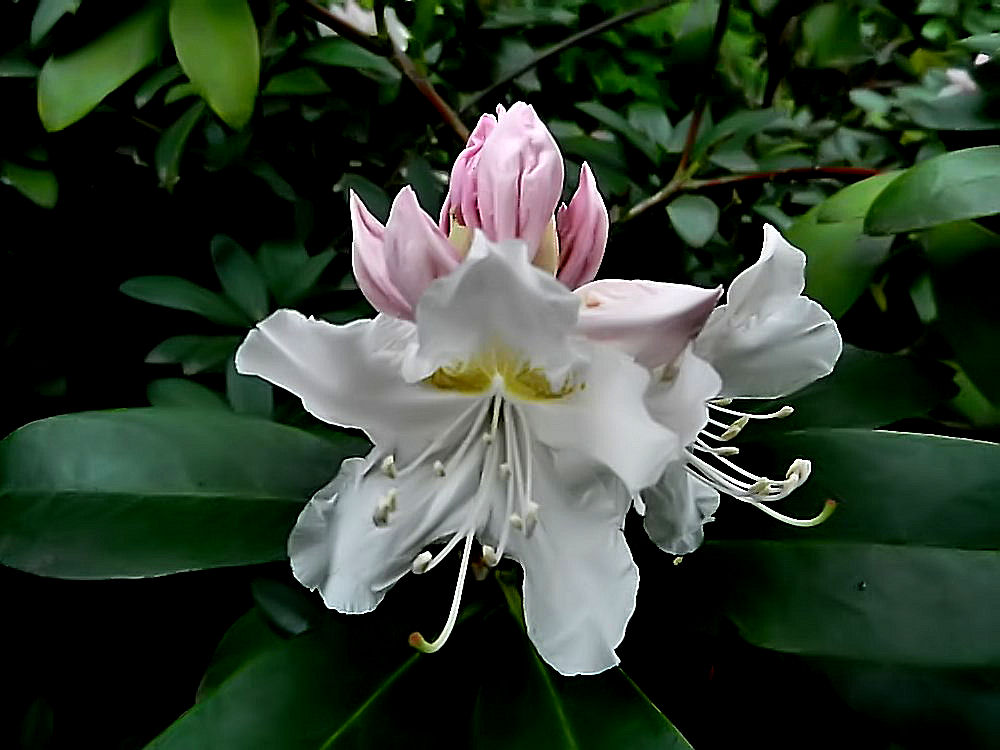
x=393 y=264
x=583 y=232
x=508 y=179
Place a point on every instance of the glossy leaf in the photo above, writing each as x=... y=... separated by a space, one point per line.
x=241 y=279
x=342 y=53
x=957 y=185
x=155 y=83
x=965 y=263
x=652 y=120
x=194 y=353
x=37 y=185
x=894 y=604
x=619 y=124
x=181 y=294
x=71 y=85
x=146 y=492
x=170 y=147
x=216 y=44
x=248 y=394
x=183 y=393
x=48 y=14
x=301 y=281
x=298 y=82
x=694 y=217
x=249 y=637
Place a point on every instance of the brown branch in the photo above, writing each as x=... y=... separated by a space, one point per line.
x=573 y=39
x=385 y=48
x=686 y=185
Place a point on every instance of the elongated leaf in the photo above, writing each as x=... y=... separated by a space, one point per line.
x=194 y=353
x=694 y=217
x=37 y=185
x=181 y=294
x=249 y=637
x=183 y=393
x=47 y=14
x=301 y=281
x=241 y=279
x=299 y=82
x=170 y=147
x=620 y=125
x=216 y=44
x=248 y=394
x=927 y=606
x=965 y=262
x=652 y=120
x=958 y=185
x=155 y=83
x=341 y=53
x=72 y=85
x=147 y=492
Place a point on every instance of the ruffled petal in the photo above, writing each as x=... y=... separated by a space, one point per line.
x=337 y=548
x=519 y=178
x=580 y=581
x=604 y=419
x=416 y=252
x=496 y=302
x=677 y=396
x=345 y=378
x=768 y=340
x=368 y=261
x=677 y=509
x=583 y=232
x=649 y=320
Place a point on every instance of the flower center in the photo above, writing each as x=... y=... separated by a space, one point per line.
x=500 y=366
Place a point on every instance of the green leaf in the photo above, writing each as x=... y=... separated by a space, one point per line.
x=965 y=263
x=987 y=44
x=289 y=610
x=182 y=393
x=216 y=44
x=278 y=184
x=71 y=85
x=279 y=260
x=145 y=492
x=831 y=35
x=152 y=85
x=180 y=91
x=957 y=185
x=181 y=294
x=865 y=389
x=619 y=124
x=650 y=119
x=194 y=353
x=16 y=65
x=248 y=394
x=370 y=194
x=891 y=604
x=298 y=82
x=47 y=14
x=694 y=217
x=841 y=258
x=342 y=53
x=37 y=185
x=248 y=638
x=241 y=279
x=302 y=281
x=170 y=147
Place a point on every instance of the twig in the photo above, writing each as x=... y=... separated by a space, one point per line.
x=555 y=49
x=687 y=185
x=384 y=47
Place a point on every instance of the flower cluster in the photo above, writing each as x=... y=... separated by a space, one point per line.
x=515 y=402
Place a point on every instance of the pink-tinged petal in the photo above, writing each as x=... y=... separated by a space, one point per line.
x=649 y=320
x=518 y=178
x=368 y=261
x=461 y=199
x=583 y=232
x=415 y=250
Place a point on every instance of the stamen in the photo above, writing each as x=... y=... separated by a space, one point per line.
x=420 y=562
x=444 y=437
x=385 y=506
x=389 y=466
x=828 y=507
x=416 y=639
x=734 y=429
x=516 y=521
x=505 y=470
x=439 y=468
x=784 y=411
x=490 y=556
x=530 y=518
x=720 y=401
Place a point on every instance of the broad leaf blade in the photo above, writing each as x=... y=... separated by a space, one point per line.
x=181 y=294
x=71 y=85
x=170 y=147
x=216 y=44
x=240 y=277
x=146 y=492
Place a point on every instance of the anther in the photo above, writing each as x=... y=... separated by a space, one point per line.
x=721 y=401
x=734 y=429
x=530 y=518
x=678 y=560
x=490 y=557
x=381 y=515
x=800 y=470
x=420 y=562
x=784 y=411
x=488 y=438
x=390 y=499
x=439 y=468
x=516 y=521
x=504 y=470
x=389 y=466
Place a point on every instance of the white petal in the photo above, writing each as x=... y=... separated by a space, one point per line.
x=347 y=376
x=767 y=340
x=677 y=508
x=677 y=398
x=336 y=547
x=606 y=420
x=580 y=581
x=496 y=300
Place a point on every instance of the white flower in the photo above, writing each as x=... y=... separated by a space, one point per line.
x=494 y=419
x=959 y=82
x=363 y=19
x=767 y=340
